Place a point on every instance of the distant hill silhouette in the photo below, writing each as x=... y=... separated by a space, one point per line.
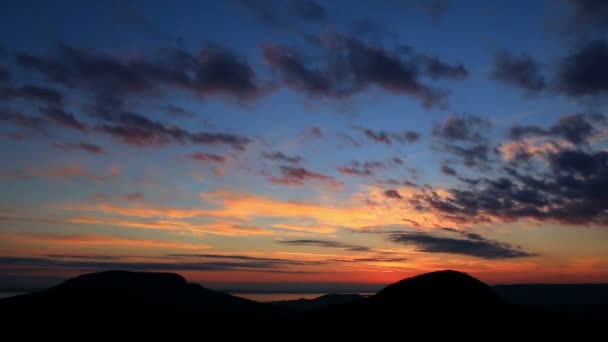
x=321 y=302
x=121 y=297
x=120 y=300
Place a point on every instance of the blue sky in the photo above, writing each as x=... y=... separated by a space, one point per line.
x=375 y=138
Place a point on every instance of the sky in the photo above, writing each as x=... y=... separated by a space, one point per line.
x=304 y=143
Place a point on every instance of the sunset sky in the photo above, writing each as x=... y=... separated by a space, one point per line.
x=247 y=143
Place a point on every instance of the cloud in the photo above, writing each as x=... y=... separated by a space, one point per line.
x=69 y=172
x=391 y=193
x=280 y=156
x=434 y=8
x=576 y=129
x=560 y=184
x=383 y=137
x=584 y=72
x=213 y=71
x=98 y=265
x=436 y=69
x=468 y=244
x=178 y=112
x=269 y=261
x=22 y=120
x=90 y=240
x=299 y=176
x=325 y=244
x=350 y=66
x=353 y=171
x=448 y=170
x=465 y=136
x=265 y=10
x=135 y=129
x=462 y=128
x=362 y=168
x=5 y=75
x=309 y=10
x=63 y=118
x=128 y=197
x=591 y=12
x=32 y=93
x=206 y=157
x=80 y=146
x=519 y=71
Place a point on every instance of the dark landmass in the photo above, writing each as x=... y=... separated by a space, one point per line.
x=138 y=301
x=585 y=300
x=322 y=302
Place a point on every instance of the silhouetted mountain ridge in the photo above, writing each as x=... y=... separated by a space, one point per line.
x=138 y=300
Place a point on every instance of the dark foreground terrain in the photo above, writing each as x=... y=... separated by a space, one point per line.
x=445 y=302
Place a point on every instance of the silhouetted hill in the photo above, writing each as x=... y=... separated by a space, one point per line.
x=445 y=301
x=302 y=304
x=121 y=297
x=443 y=295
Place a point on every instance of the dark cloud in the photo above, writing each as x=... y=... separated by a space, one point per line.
x=282 y=157
x=519 y=71
x=391 y=193
x=562 y=185
x=350 y=140
x=135 y=129
x=178 y=112
x=309 y=10
x=577 y=128
x=214 y=70
x=434 y=8
x=128 y=197
x=351 y=66
x=85 y=257
x=471 y=245
x=383 y=137
x=448 y=170
x=462 y=128
x=206 y=157
x=353 y=171
x=394 y=182
x=265 y=10
x=436 y=69
x=316 y=132
x=81 y=146
x=127 y=14
x=22 y=120
x=370 y=26
x=63 y=118
x=466 y=137
x=32 y=93
x=584 y=72
x=298 y=176
x=246 y=258
x=5 y=75
x=325 y=244
x=591 y=12
x=365 y=168
x=96 y=265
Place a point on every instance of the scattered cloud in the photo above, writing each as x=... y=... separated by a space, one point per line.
x=280 y=156
x=391 y=193
x=467 y=244
x=583 y=72
x=519 y=71
x=351 y=66
x=325 y=244
x=80 y=146
x=298 y=176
